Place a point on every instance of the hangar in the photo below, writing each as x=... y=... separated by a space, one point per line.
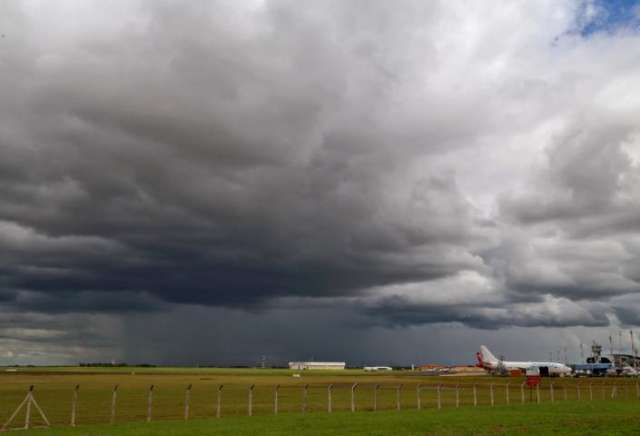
x=316 y=365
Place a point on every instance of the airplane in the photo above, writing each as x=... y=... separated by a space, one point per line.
x=490 y=362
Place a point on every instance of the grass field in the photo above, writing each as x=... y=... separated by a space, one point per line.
x=569 y=418
x=54 y=389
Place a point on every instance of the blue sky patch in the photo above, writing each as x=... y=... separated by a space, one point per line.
x=608 y=16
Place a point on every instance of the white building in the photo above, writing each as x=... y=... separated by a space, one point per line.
x=377 y=368
x=298 y=366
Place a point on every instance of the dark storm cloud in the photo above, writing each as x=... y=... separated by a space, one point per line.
x=421 y=163
x=211 y=167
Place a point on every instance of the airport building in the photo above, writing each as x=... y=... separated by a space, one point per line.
x=620 y=360
x=299 y=366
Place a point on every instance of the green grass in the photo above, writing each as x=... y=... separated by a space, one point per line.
x=569 y=418
x=54 y=389
x=177 y=370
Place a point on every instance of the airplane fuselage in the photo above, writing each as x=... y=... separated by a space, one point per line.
x=488 y=361
x=555 y=368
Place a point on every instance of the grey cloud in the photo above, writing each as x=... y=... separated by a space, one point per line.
x=30 y=337
x=588 y=184
x=582 y=215
x=549 y=312
x=580 y=269
x=239 y=155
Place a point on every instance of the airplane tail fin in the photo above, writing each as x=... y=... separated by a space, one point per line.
x=487 y=356
x=479 y=357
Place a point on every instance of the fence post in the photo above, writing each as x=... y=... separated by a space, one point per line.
x=250 y=401
x=187 y=400
x=219 y=401
x=538 y=393
x=149 y=403
x=27 y=401
x=329 y=405
x=27 y=416
x=522 y=392
x=418 y=400
x=590 y=392
x=613 y=392
x=475 y=395
x=353 y=397
x=457 y=396
x=551 y=393
x=375 y=397
x=506 y=391
x=398 y=391
x=114 y=397
x=491 y=393
x=275 y=399
x=74 y=405
x=439 y=398
x=305 y=393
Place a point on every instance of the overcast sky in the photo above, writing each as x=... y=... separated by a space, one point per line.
x=361 y=180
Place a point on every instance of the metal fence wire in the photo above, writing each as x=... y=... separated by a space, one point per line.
x=99 y=405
